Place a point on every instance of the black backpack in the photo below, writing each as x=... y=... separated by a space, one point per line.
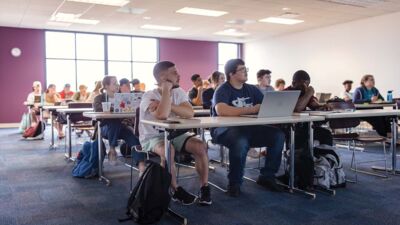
x=150 y=198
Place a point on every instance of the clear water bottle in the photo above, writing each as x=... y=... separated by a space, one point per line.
x=389 y=96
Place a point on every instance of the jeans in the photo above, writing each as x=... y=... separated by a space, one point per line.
x=113 y=130
x=240 y=139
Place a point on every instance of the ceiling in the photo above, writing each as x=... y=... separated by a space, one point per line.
x=315 y=13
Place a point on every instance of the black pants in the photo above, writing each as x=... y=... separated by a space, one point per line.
x=380 y=124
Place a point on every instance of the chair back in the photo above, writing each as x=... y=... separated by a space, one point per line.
x=346 y=122
x=78 y=117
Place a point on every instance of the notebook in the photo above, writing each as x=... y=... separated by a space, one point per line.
x=126 y=102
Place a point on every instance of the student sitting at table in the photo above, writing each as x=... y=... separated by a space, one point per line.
x=264 y=81
x=95 y=92
x=114 y=129
x=35 y=98
x=82 y=95
x=137 y=86
x=280 y=85
x=124 y=86
x=217 y=78
x=52 y=98
x=368 y=93
x=234 y=98
x=346 y=94
x=169 y=100
x=66 y=93
x=196 y=92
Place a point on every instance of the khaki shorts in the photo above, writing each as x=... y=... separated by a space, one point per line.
x=178 y=142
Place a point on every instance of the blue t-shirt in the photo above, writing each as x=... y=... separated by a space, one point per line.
x=249 y=95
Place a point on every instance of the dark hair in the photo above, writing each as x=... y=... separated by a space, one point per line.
x=160 y=67
x=365 y=78
x=67 y=85
x=215 y=76
x=347 y=82
x=135 y=81
x=279 y=82
x=301 y=75
x=231 y=67
x=261 y=73
x=123 y=81
x=106 y=81
x=195 y=77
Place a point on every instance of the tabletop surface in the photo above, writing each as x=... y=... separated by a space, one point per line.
x=74 y=110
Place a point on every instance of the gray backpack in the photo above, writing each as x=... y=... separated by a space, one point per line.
x=328 y=167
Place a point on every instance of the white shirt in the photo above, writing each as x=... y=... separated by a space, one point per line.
x=31 y=97
x=178 y=96
x=347 y=94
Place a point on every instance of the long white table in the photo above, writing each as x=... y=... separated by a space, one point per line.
x=212 y=122
x=393 y=114
x=375 y=105
x=68 y=111
x=98 y=116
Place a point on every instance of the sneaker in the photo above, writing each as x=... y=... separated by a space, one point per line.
x=233 y=190
x=205 y=196
x=269 y=183
x=183 y=196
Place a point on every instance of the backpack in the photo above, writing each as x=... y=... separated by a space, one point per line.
x=25 y=122
x=35 y=130
x=87 y=161
x=150 y=198
x=329 y=172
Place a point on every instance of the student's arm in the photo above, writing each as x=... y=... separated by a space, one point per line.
x=358 y=98
x=97 y=107
x=303 y=101
x=224 y=109
x=197 y=100
x=163 y=108
x=184 y=110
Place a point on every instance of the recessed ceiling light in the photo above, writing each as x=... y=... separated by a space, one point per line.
x=104 y=2
x=279 y=20
x=285 y=9
x=231 y=32
x=72 y=18
x=201 y=12
x=160 y=27
x=240 y=22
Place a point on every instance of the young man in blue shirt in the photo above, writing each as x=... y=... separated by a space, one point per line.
x=235 y=98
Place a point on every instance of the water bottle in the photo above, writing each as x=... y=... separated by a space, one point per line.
x=389 y=96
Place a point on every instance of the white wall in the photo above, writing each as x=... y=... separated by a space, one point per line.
x=332 y=54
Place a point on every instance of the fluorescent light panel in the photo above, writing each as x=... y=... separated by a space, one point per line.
x=231 y=32
x=279 y=20
x=103 y=2
x=201 y=12
x=160 y=27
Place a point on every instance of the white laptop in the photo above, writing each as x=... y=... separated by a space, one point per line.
x=323 y=97
x=277 y=104
x=127 y=102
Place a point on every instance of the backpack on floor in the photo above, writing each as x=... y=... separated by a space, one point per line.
x=329 y=172
x=35 y=130
x=87 y=161
x=25 y=122
x=150 y=198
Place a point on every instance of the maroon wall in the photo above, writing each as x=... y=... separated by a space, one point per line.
x=17 y=74
x=190 y=57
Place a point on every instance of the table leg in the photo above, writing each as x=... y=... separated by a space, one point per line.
x=69 y=155
x=99 y=139
x=53 y=146
x=41 y=120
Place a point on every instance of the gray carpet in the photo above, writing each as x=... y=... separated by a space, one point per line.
x=36 y=187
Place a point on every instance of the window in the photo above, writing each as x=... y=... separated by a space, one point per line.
x=227 y=51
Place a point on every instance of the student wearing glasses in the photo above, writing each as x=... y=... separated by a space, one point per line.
x=169 y=100
x=217 y=79
x=234 y=98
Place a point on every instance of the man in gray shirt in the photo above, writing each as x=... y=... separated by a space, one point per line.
x=264 y=81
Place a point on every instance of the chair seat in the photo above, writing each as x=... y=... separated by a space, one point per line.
x=371 y=139
x=345 y=136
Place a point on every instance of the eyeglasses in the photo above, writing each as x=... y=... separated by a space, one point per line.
x=243 y=69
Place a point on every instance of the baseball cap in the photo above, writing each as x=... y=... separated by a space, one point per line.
x=135 y=81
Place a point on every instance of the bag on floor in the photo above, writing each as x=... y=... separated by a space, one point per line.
x=34 y=131
x=150 y=198
x=329 y=172
x=87 y=161
x=25 y=122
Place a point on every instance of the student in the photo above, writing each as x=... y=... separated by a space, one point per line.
x=217 y=78
x=136 y=86
x=280 y=85
x=51 y=98
x=82 y=95
x=66 y=93
x=35 y=97
x=114 y=129
x=346 y=94
x=95 y=92
x=169 y=100
x=367 y=92
x=264 y=81
x=234 y=98
x=197 y=91
x=124 y=86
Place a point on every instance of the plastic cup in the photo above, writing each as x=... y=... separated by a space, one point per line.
x=106 y=106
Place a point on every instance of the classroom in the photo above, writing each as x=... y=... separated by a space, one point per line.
x=200 y=112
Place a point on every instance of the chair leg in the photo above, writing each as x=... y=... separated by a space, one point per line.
x=384 y=155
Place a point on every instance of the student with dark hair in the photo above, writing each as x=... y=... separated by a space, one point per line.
x=114 y=129
x=367 y=92
x=169 y=100
x=136 y=86
x=197 y=91
x=280 y=85
x=66 y=93
x=124 y=86
x=235 y=98
x=216 y=79
x=264 y=81
x=346 y=94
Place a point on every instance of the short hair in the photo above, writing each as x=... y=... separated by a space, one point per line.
x=135 y=81
x=231 y=66
x=67 y=85
x=262 y=73
x=50 y=86
x=123 y=81
x=301 y=75
x=347 y=82
x=160 y=67
x=215 y=76
x=279 y=82
x=195 y=77
x=365 y=78
x=106 y=81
